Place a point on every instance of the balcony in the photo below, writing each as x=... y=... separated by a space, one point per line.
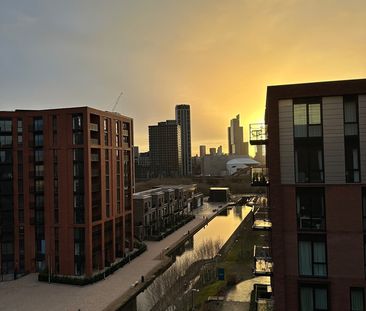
x=263 y=264
x=259 y=177
x=258 y=134
x=263 y=297
x=261 y=219
x=94 y=141
x=94 y=127
x=95 y=157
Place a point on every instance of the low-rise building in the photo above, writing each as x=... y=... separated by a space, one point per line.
x=163 y=209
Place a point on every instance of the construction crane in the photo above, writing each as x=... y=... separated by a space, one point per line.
x=116 y=103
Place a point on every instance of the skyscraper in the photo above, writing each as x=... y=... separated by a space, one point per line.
x=65 y=190
x=202 y=151
x=165 y=149
x=183 y=117
x=235 y=137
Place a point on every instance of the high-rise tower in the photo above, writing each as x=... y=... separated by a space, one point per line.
x=165 y=149
x=183 y=117
x=235 y=137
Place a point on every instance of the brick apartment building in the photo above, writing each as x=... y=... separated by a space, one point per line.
x=160 y=209
x=316 y=155
x=66 y=179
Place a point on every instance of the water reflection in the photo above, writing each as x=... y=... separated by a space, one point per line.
x=218 y=229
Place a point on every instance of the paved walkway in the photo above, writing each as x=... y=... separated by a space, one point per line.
x=28 y=294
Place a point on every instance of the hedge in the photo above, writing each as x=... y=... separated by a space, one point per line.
x=82 y=280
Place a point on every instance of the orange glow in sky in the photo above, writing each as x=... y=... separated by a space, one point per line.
x=218 y=56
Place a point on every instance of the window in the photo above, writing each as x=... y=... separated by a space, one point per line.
x=77 y=129
x=106 y=126
x=39 y=170
x=38 y=139
x=313 y=298
x=5 y=125
x=307 y=118
x=38 y=155
x=312 y=258
x=78 y=186
x=308 y=141
x=77 y=122
x=54 y=130
x=310 y=208
x=39 y=185
x=351 y=139
x=79 y=251
x=357 y=299
x=6 y=140
x=6 y=156
x=38 y=124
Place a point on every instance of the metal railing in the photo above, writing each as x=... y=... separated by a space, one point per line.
x=259 y=176
x=258 y=134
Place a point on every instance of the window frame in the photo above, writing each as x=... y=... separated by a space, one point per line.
x=305 y=143
x=307 y=191
x=351 y=142
x=350 y=298
x=313 y=287
x=312 y=238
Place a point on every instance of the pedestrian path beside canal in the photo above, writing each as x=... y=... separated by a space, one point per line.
x=28 y=294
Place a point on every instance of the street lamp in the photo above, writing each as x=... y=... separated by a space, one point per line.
x=193 y=290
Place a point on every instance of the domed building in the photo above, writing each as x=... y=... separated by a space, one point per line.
x=234 y=165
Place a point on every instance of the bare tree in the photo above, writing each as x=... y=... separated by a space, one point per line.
x=167 y=289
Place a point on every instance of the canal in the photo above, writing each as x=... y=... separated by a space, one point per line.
x=216 y=232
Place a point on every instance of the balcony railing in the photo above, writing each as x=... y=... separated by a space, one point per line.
x=261 y=219
x=94 y=127
x=95 y=157
x=263 y=297
x=258 y=134
x=259 y=176
x=263 y=264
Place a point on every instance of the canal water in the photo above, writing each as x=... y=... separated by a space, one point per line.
x=218 y=230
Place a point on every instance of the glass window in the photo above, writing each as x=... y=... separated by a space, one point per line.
x=313 y=298
x=357 y=299
x=38 y=155
x=309 y=161
x=310 y=208
x=39 y=170
x=6 y=140
x=78 y=170
x=314 y=114
x=38 y=139
x=77 y=121
x=5 y=156
x=350 y=112
x=351 y=139
x=78 y=155
x=307 y=118
x=312 y=258
x=39 y=185
x=38 y=124
x=5 y=125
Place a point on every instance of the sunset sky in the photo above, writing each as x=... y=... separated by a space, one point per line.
x=216 y=55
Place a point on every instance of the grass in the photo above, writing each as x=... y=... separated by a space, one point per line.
x=207 y=291
x=237 y=262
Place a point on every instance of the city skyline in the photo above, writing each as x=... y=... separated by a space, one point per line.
x=217 y=58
